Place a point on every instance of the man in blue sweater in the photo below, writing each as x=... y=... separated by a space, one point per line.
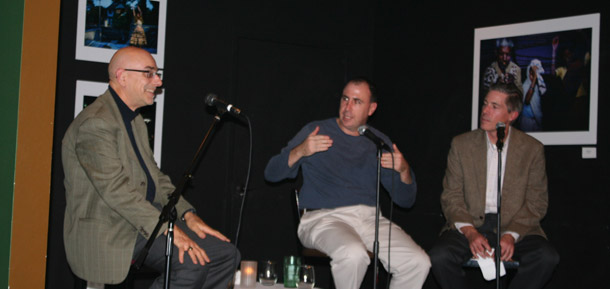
x=338 y=195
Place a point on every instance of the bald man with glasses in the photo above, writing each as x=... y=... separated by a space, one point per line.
x=114 y=191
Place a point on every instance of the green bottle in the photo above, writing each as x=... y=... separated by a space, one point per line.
x=291 y=274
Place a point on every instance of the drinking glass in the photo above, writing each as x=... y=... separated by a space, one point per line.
x=307 y=277
x=267 y=275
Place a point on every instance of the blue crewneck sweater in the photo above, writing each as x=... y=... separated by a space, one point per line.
x=345 y=175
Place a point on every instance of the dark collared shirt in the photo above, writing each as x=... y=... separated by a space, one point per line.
x=128 y=115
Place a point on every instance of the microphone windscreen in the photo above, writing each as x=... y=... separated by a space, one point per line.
x=362 y=129
x=210 y=99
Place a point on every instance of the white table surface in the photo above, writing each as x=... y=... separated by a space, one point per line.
x=261 y=286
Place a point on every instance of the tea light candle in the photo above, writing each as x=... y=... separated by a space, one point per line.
x=248 y=273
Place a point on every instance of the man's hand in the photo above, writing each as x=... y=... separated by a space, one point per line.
x=399 y=164
x=200 y=228
x=314 y=143
x=186 y=245
x=478 y=243
x=507 y=245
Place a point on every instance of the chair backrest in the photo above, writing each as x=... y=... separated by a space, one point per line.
x=297 y=210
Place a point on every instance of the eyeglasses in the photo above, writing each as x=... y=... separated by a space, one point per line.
x=150 y=73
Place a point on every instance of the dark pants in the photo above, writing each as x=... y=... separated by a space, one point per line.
x=224 y=259
x=537 y=259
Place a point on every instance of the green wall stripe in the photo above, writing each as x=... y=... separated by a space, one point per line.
x=10 y=57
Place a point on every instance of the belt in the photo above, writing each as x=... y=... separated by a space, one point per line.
x=303 y=211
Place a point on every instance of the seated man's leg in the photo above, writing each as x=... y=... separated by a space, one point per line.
x=537 y=260
x=333 y=234
x=447 y=256
x=409 y=263
x=224 y=259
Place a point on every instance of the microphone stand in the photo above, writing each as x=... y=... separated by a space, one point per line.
x=168 y=213
x=377 y=209
x=498 y=252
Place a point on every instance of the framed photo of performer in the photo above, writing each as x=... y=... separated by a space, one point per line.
x=88 y=91
x=104 y=26
x=555 y=63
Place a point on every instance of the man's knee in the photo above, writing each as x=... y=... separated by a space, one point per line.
x=235 y=257
x=236 y=254
x=189 y=273
x=417 y=261
x=352 y=255
x=421 y=260
x=439 y=255
x=227 y=254
x=547 y=256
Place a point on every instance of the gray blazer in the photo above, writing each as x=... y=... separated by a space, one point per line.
x=524 y=192
x=106 y=204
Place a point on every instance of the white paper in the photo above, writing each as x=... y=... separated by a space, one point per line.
x=488 y=267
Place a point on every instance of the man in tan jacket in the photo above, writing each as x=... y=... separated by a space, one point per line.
x=469 y=198
x=114 y=191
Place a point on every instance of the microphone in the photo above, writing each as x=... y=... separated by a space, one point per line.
x=500 y=132
x=213 y=100
x=365 y=131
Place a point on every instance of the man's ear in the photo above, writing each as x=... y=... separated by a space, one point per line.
x=120 y=77
x=512 y=116
x=372 y=108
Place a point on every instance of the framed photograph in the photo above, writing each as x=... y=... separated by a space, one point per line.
x=555 y=63
x=88 y=91
x=105 y=26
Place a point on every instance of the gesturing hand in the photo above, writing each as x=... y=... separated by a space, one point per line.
x=398 y=163
x=314 y=143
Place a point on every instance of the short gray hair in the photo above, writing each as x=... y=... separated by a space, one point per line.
x=514 y=95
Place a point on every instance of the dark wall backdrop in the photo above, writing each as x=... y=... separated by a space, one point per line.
x=284 y=63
